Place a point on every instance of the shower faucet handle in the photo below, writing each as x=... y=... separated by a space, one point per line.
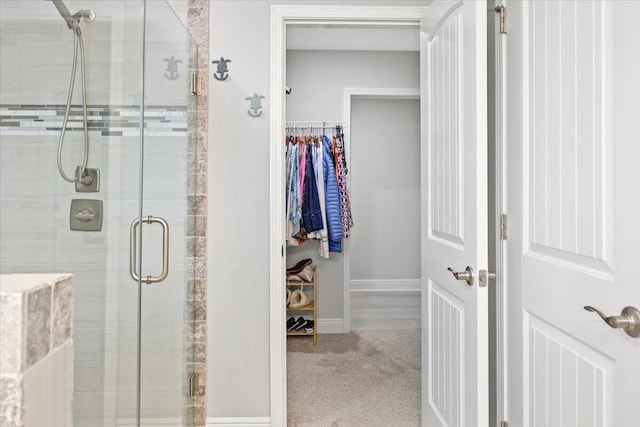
x=84 y=215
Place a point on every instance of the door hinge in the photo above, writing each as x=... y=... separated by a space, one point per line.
x=196 y=83
x=504 y=424
x=503 y=227
x=282 y=251
x=502 y=10
x=194 y=385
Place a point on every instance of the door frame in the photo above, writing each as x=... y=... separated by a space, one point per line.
x=374 y=93
x=281 y=16
x=500 y=208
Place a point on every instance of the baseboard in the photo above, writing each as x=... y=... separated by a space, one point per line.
x=386 y=285
x=330 y=326
x=385 y=304
x=144 y=422
x=238 y=422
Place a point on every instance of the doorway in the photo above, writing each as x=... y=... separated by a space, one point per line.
x=370 y=371
x=281 y=17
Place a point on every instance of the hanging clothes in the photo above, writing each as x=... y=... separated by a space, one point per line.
x=294 y=210
x=322 y=235
x=332 y=198
x=317 y=202
x=341 y=173
x=311 y=214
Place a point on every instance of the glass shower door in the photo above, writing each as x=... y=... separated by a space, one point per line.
x=164 y=231
x=132 y=357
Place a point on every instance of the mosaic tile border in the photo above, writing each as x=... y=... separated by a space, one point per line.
x=196 y=289
x=107 y=120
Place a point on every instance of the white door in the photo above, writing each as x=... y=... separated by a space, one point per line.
x=455 y=318
x=573 y=171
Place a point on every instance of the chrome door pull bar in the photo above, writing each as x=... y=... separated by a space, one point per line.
x=133 y=245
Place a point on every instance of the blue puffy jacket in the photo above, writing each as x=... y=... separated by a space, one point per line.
x=332 y=198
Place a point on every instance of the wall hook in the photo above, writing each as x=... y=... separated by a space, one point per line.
x=222 y=68
x=255 y=109
x=172 y=68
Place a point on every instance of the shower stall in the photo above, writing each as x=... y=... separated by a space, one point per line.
x=134 y=123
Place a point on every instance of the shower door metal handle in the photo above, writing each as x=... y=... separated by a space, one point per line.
x=133 y=246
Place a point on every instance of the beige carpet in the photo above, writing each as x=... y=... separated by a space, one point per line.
x=365 y=378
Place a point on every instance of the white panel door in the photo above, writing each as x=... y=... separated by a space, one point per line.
x=572 y=176
x=454 y=318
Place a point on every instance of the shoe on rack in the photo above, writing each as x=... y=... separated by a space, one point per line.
x=300 y=322
x=304 y=275
x=299 y=266
x=308 y=327
x=288 y=297
x=299 y=299
x=291 y=323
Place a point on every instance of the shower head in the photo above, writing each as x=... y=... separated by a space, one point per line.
x=66 y=15
x=73 y=20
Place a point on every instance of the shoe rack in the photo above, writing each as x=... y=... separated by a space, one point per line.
x=307 y=310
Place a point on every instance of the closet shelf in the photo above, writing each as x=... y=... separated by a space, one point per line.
x=304 y=333
x=309 y=307
x=300 y=283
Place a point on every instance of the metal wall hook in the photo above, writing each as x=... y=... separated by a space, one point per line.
x=255 y=109
x=222 y=69
x=172 y=68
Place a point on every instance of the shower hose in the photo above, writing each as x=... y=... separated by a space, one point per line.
x=80 y=175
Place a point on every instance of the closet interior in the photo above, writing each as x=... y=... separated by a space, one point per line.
x=361 y=280
x=352 y=204
x=318 y=209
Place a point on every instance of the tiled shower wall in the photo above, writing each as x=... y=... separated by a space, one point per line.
x=35 y=201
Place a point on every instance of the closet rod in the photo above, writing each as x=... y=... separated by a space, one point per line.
x=314 y=126
x=313 y=123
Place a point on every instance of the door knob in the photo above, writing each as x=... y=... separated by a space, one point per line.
x=466 y=275
x=629 y=320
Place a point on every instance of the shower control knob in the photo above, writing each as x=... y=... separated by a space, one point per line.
x=85 y=215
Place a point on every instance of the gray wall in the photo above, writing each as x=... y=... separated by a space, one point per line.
x=385 y=183
x=322 y=76
x=238 y=224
